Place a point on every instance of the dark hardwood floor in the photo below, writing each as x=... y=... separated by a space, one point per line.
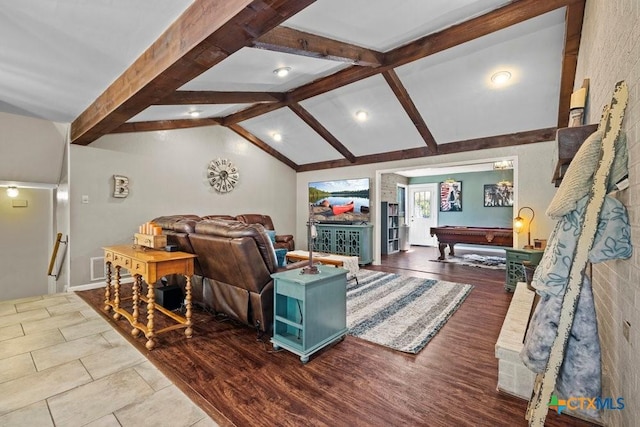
x=240 y=381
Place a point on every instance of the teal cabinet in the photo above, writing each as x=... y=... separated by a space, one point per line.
x=349 y=240
x=310 y=310
x=515 y=270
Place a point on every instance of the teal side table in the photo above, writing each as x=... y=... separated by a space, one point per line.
x=515 y=270
x=310 y=310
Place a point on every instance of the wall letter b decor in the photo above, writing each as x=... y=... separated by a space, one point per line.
x=120 y=186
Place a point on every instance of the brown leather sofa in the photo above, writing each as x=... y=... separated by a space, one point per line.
x=177 y=228
x=283 y=241
x=237 y=261
x=233 y=268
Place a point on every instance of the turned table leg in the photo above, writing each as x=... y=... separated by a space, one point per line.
x=137 y=284
x=116 y=295
x=189 y=331
x=107 y=290
x=151 y=298
x=441 y=247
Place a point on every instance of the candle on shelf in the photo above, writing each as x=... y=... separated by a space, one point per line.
x=578 y=98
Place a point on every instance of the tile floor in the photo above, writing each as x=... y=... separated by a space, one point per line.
x=62 y=364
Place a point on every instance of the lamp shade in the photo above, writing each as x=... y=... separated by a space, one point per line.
x=518 y=224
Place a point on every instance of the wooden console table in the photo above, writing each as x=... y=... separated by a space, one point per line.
x=150 y=265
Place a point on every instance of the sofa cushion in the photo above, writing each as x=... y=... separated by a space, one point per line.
x=227 y=217
x=272 y=235
x=187 y=226
x=237 y=229
x=281 y=255
x=168 y=222
x=265 y=220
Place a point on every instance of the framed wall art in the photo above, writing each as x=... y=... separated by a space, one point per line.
x=498 y=195
x=451 y=196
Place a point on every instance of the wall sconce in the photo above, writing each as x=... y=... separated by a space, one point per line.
x=12 y=191
x=519 y=223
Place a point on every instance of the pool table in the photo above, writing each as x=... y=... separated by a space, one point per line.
x=450 y=235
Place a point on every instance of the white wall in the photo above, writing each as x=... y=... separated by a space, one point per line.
x=610 y=52
x=31 y=156
x=61 y=223
x=26 y=243
x=535 y=164
x=167 y=174
x=31 y=149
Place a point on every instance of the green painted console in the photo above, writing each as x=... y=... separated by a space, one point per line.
x=349 y=240
x=515 y=259
x=310 y=310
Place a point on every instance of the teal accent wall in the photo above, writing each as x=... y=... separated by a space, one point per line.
x=474 y=213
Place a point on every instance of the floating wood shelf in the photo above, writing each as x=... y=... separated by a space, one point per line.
x=569 y=141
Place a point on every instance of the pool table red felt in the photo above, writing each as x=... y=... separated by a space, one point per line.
x=450 y=235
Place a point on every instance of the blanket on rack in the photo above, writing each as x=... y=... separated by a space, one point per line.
x=580 y=374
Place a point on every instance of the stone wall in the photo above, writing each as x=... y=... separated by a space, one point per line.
x=389 y=187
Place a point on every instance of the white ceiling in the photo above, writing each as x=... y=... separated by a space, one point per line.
x=58 y=56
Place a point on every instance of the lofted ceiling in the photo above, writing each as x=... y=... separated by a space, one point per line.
x=421 y=70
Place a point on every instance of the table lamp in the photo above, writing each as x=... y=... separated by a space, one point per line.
x=311 y=234
x=519 y=223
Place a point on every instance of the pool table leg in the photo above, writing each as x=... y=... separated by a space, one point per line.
x=442 y=246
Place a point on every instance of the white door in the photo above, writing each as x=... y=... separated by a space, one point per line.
x=423 y=213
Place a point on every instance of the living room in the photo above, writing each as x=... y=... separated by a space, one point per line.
x=167 y=172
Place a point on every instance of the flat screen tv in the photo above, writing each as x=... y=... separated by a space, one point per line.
x=340 y=201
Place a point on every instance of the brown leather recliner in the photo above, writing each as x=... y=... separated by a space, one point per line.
x=177 y=228
x=237 y=260
x=283 y=241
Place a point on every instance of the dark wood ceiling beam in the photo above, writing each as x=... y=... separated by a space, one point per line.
x=288 y=40
x=496 y=20
x=206 y=33
x=499 y=141
x=188 y=97
x=573 y=33
x=165 y=125
x=263 y=145
x=407 y=103
x=506 y=16
x=251 y=112
x=519 y=138
x=314 y=124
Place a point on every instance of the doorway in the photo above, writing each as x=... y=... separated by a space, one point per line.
x=423 y=213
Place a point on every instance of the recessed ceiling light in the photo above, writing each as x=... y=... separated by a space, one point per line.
x=500 y=78
x=12 y=191
x=276 y=136
x=195 y=113
x=362 y=115
x=282 y=71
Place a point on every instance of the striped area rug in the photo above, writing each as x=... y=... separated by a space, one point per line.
x=400 y=312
